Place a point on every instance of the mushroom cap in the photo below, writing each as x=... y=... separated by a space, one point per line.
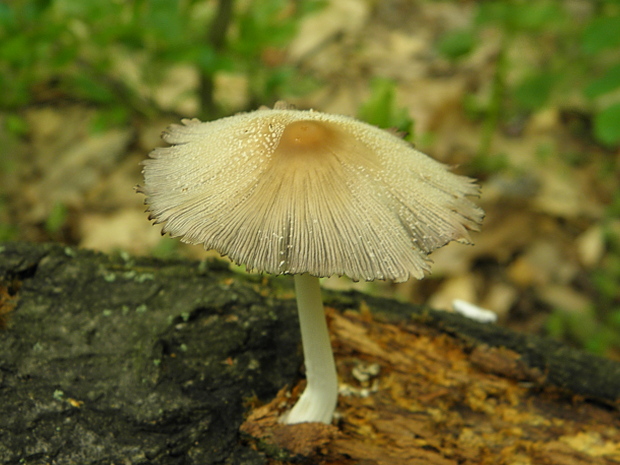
x=290 y=191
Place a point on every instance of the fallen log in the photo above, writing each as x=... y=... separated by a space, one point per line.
x=119 y=359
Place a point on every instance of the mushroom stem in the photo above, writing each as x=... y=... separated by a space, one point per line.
x=318 y=402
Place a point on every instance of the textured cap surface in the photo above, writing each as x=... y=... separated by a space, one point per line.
x=290 y=191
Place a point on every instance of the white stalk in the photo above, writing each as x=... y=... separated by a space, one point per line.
x=318 y=402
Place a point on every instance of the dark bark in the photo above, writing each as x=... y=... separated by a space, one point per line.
x=117 y=359
x=112 y=360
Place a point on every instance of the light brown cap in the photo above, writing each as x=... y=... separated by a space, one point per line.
x=290 y=191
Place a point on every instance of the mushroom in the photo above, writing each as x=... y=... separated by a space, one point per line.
x=310 y=194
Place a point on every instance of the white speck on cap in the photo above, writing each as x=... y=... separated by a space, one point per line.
x=290 y=191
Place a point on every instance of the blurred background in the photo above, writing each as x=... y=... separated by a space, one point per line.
x=523 y=95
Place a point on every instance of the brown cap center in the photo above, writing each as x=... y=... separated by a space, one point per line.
x=304 y=135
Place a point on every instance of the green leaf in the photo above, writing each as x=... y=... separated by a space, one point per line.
x=583 y=327
x=490 y=164
x=6 y=14
x=456 y=44
x=164 y=20
x=614 y=318
x=520 y=15
x=608 y=82
x=17 y=125
x=533 y=92
x=92 y=90
x=607 y=125
x=8 y=232
x=556 y=325
x=107 y=117
x=380 y=109
x=17 y=50
x=492 y=12
x=57 y=218
x=535 y=15
x=601 y=33
x=600 y=342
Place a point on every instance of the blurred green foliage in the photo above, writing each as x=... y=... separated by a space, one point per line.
x=56 y=219
x=579 y=59
x=75 y=49
x=564 y=55
x=381 y=110
x=8 y=231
